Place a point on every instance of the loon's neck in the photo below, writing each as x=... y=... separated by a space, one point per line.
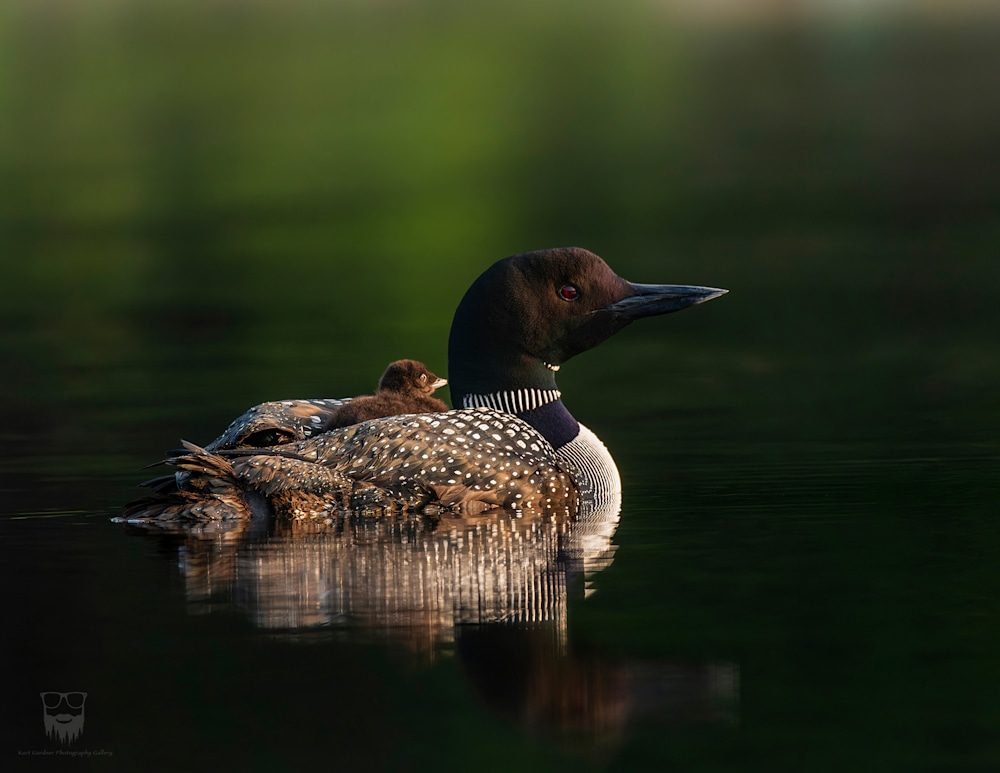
x=541 y=408
x=524 y=386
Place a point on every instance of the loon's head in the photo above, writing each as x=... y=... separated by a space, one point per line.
x=528 y=314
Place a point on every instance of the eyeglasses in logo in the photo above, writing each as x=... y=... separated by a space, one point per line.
x=63 y=713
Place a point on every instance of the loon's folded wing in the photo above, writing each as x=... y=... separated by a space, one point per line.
x=277 y=423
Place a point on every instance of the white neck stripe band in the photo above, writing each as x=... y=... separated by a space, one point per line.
x=513 y=401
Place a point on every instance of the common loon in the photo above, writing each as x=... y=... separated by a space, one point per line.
x=405 y=387
x=511 y=442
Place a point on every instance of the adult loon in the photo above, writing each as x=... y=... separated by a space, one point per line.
x=511 y=441
x=406 y=386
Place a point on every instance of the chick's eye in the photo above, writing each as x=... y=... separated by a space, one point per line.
x=569 y=293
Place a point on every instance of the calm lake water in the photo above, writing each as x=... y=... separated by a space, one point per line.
x=804 y=576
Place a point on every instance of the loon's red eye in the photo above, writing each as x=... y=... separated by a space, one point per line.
x=568 y=293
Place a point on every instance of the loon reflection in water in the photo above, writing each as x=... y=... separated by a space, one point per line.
x=511 y=443
x=493 y=591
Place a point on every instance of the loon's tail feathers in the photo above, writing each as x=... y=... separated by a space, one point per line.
x=163 y=484
x=185 y=507
x=207 y=473
x=204 y=489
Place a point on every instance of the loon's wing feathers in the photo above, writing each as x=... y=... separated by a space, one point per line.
x=449 y=459
x=446 y=458
x=277 y=423
x=271 y=473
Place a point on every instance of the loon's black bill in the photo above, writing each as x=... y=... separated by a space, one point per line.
x=650 y=300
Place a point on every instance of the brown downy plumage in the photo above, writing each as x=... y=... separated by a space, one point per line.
x=405 y=387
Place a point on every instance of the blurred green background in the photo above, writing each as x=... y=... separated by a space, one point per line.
x=199 y=198
x=207 y=204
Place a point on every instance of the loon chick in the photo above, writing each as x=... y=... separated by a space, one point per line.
x=405 y=387
x=511 y=442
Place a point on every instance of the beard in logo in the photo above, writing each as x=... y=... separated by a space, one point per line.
x=63 y=714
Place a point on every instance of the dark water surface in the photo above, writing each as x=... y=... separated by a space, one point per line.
x=209 y=210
